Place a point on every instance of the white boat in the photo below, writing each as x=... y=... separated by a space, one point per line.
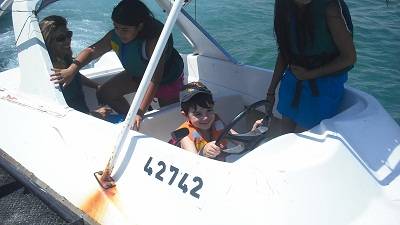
x=343 y=171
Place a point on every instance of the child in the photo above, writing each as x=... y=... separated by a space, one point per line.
x=203 y=123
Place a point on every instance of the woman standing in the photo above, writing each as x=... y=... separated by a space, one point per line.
x=316 y=51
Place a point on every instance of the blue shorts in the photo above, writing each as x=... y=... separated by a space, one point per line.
x=115 y=118
x=311 y=109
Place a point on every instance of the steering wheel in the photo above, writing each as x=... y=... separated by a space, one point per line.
x=247 y=140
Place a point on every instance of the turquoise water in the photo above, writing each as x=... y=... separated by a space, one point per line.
x=245 y=29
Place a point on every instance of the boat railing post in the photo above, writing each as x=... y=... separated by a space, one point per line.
x=104 y=177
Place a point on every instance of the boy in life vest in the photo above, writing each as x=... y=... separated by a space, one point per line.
x=203 y=124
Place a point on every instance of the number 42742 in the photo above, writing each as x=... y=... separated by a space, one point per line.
x=162 y=167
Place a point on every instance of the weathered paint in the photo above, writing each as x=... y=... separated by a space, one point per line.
x=96 y=204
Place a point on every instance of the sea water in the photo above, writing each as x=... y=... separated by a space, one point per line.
x=245 y=30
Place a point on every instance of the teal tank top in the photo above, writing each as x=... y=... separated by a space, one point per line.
x=134 y=59
x=322 y=49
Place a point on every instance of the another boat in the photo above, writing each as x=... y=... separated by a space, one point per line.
x=343 y=171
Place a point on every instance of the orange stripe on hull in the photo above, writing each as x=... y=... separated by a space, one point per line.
x=97 y=203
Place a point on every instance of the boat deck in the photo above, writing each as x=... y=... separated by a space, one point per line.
x=21 y=206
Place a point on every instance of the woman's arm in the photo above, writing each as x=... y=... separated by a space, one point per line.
x=65 y=76
x=157 y=77
x=344 y=42
x=94 y=51
x=154 y=83
x=280 y=66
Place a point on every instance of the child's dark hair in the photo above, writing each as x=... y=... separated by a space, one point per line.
x=133 y=13
x=202 y=99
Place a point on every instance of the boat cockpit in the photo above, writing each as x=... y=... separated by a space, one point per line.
x=160 y=122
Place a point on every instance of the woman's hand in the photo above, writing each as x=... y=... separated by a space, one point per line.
x=211 y=150
x=62 y=76
x=137 y=122
x=302 y=73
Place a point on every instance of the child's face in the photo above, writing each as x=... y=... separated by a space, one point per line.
x=201 y=118
x=127 y=33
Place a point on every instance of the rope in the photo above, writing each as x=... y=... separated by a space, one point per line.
x=27 y=18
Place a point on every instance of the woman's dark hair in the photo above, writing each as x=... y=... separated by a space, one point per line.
x=287 y=13
x=48 y=26
x=133 y=13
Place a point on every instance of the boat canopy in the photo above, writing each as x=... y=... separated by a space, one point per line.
x=43 y=4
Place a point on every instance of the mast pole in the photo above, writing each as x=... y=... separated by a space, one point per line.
x=104 y=177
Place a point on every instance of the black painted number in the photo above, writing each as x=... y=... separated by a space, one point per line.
x=147 y=167
x=183 y=184
x=193 y=192
x=158 y=174
x=175 y=171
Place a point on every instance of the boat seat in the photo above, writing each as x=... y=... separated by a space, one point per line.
x=159 y=123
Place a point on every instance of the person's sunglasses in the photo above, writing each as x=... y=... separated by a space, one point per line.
x=64 y=37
